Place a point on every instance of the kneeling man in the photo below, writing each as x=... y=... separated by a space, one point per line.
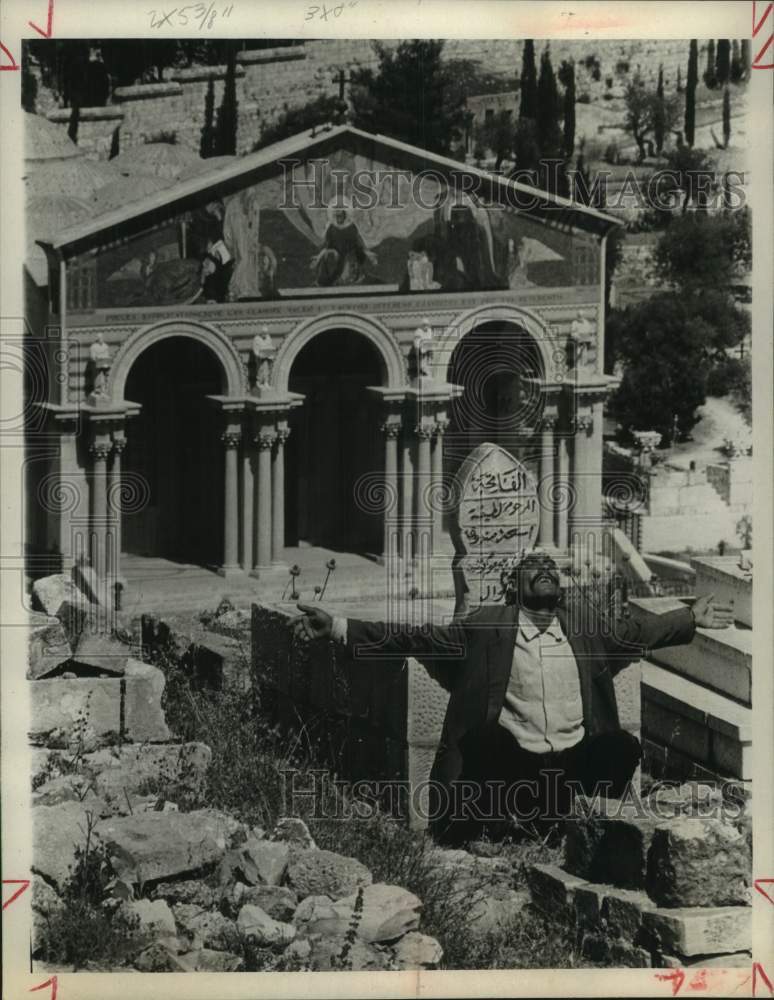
x=532 y=705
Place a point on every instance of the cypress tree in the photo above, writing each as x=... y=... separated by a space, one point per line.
x=567 y=78
x=207 y=144
x=723 y=61
x=735 y=73
x=658 y=123
x=709 y=72
x=528 y=80
x=726 y=118
x=690 y=91
x=227 y=114
x=679 y=81
x=744 y=58
x=547 y=118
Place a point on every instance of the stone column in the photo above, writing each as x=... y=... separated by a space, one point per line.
x=265 y=441
x=248 y=493
x=581 y=474
x=391 y=430
x=563 y=491
x=423 y=518
x=100 y=450
x=114 y=511
x=437 y=478
x=230 y=440
x=278 y=496
x=407 y=496
x=545 y=489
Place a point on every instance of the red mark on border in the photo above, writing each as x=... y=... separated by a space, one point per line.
x=23 y=882
x=677 y=976
x=758 y=970
x=52 y=982
x=759 y=883
x=47 y=32
x=13 y=64
x=756 y=29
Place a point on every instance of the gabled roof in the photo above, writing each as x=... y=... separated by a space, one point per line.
x=311 y=144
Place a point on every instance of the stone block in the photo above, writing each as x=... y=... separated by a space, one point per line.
x=588 y=903
x=426 y=706
x=152 y=919
x=260 y=929
x=675 y=730
x=315 y=872
x=622 y=911
x=731 y=756
x=85 y=578
x=82 y=709
x=609 y=850
x=627 y=696
x=205 y=928
x=388 y=912
x=278 y=901
x=102 y=652
x=721 y=576
x=700 y=930
x=143 y=715
x=553 y=889
x=264 y=861
x=153 y=845
x=699 y=862
x=418 y=951
x=717 y=658
x=696 y=701
x=420 y=763
x=601 y=947
x=50 y=592
x=57 y=831
x=48 y=646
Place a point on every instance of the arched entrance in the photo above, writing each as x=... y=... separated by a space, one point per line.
x=174 y=444
x=335 y=440
x=495 y=363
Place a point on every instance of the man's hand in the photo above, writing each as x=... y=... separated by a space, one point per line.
x=708 y=614
x=314 y=623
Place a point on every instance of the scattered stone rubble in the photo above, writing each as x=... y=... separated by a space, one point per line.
x=195 y=890
x=656 y=892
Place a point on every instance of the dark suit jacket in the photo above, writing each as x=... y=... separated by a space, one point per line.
x=473 y=659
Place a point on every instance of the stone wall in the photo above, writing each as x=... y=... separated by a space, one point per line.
x=270 y=80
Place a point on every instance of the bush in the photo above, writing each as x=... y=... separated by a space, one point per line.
x=612 y=154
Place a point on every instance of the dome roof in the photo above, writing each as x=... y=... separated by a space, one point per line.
x=43 y=140
x=200 y=166
x=126 y=189
x=157 y=159
x=46 y=216
x=77 y=177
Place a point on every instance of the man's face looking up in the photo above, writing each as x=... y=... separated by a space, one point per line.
x=537 y=583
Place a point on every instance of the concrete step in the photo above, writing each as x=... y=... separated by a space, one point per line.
x=702 y=725
x=720 y=659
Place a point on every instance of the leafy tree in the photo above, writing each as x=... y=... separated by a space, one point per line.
x=528 y=80
x=207 y=142
x=497 y=134
x=709 y=73
x=658 y=122
x=410 y=97
x=723 y=61
x=690 y=92
x=665 y=369
x=699 y=252
x=301 y=118
x=226 y=130
x=736 y=70
x=645 y=110
x=567 y=79
x=680 y=180
x=726 y=118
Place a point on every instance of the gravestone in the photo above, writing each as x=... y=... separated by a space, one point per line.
x=496 y=519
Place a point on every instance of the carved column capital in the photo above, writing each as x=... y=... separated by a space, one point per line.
x=282 y=435
x=549 y=422
x=119 y=444
x=390 y=429
x=584 y=423
x=424 y=431
x=231 y=439
x=100 y=450
x=441 y=427
x=265 y=440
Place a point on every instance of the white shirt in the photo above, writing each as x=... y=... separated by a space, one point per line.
x=543 y=710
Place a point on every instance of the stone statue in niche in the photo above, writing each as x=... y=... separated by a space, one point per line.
x=423 y=349
x=262 y=351
x=583 y=335
x=99 y=354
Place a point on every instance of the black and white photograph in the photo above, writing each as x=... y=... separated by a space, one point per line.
x=392 y=437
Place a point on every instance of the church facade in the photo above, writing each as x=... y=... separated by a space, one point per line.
x=301 y=348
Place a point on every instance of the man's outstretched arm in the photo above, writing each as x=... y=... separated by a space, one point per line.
x=376 y=640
